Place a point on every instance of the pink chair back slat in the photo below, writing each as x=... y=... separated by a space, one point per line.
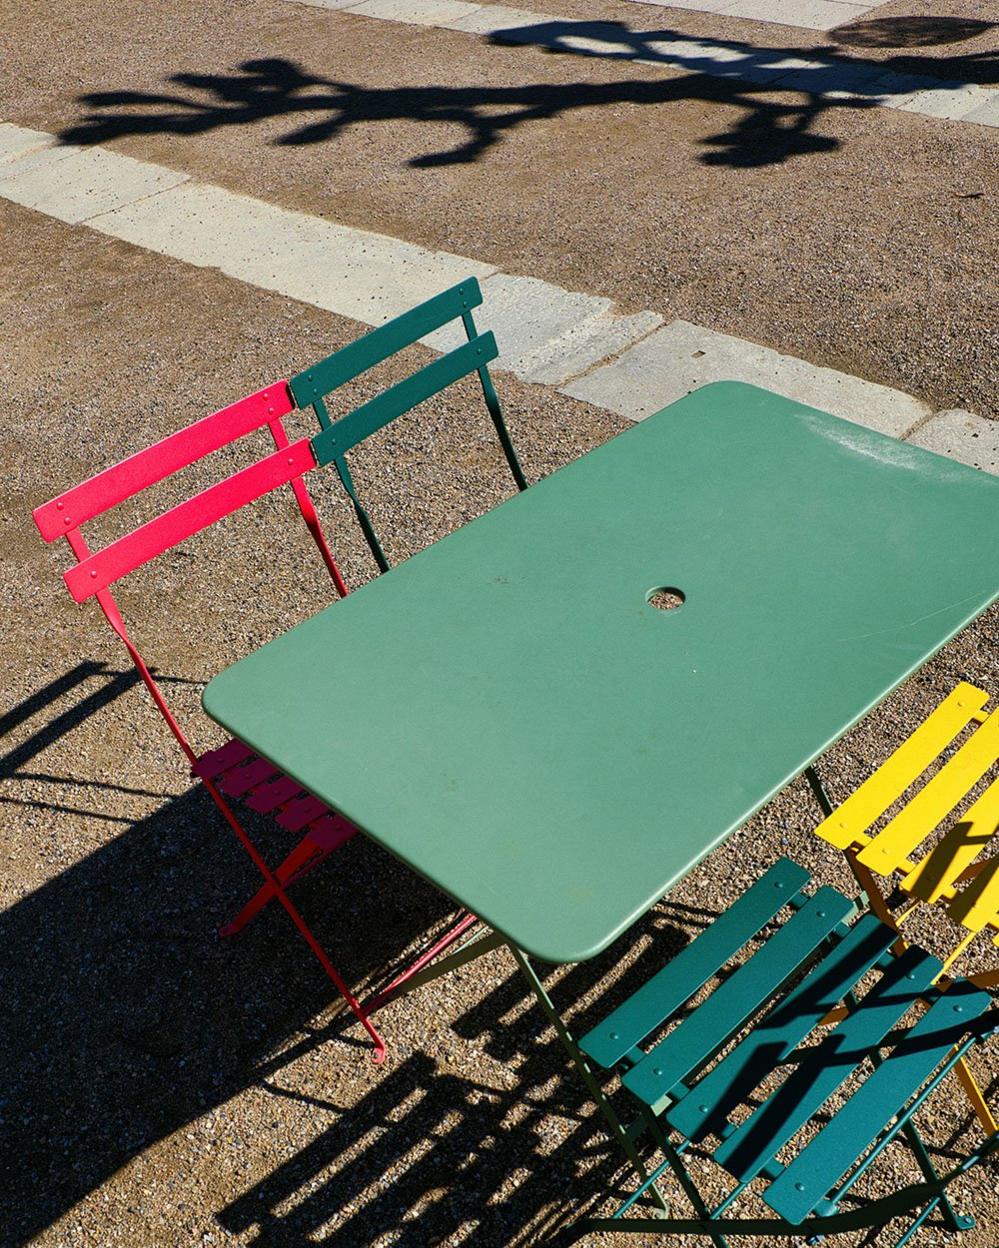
x=106 y=566
x=114 y=485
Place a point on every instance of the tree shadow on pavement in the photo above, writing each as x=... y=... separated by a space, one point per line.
x=720 y=71
x=770 y=134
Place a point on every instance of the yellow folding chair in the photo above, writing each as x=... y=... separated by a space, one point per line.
x=958 y=870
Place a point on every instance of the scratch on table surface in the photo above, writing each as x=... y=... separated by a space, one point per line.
x=929 y=615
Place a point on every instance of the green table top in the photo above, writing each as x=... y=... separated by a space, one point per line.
x=507 y=714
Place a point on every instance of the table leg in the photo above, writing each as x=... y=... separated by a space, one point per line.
x=482 y=942
x=617 y=1128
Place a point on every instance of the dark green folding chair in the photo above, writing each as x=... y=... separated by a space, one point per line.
x=312 y=387
x=898 y=1040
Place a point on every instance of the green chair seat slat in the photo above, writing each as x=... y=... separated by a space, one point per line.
x=703 y=1111
x=757 y=1140
x=357 y=357
x=690 y=970
x=841 y=1143
x=733 y=1002
x=367 y=419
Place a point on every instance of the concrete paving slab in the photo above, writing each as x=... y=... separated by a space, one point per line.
x=18 y=141
x=949 y=101
x=415 y=12
x=38 y=158
x=526 y=314
x=986 y=114
x=491 y=19
x=962 y=436
x=835 y=78
x=682 y=357
x=809 y=14
x=366 y=276
x=83 y=183
x=584 y=346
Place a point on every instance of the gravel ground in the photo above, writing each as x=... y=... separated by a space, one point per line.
x=860 y=238
x=166 y=1088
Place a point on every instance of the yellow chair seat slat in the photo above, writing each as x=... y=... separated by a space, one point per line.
x=847 y=825
x=939 y=872
x=977 y=906
x=938 y=797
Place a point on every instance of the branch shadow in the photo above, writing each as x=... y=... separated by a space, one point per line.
x=722 y=71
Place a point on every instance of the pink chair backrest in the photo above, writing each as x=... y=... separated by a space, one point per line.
x=63 y=516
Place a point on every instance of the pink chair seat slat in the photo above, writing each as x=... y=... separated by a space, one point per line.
x=242 y=779
x=114 y=485
x=187 y=518
x=330 y=831
x=297 y=814
x=215 y=762
x=272 y=794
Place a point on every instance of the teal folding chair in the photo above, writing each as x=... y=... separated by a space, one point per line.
x=738 y=1076
x=313 y=386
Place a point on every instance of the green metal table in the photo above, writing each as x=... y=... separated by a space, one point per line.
x=509 y=715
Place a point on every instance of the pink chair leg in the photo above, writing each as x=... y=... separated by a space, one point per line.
x=302 y=858
x=445 y=942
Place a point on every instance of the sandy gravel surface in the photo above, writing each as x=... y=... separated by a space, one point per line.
x=861 y=238
x=166 y=1088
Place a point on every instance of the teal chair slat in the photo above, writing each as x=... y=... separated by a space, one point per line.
x=690 y=970
x=803 y=1185
x=802 y=1165
x=775 y=1036
x=700 y=1036
x=757 y=1140
x=357 y=357
x=313 y=385
x=367 y=419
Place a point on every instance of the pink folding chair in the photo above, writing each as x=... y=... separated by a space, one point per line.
x=232 y=771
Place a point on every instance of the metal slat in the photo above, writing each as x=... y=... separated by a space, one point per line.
x=735 y=1001
x=690 y=970
x=269 y=796
x=240 y=780
x=936 y=875
x=702 y=1111
x=849 y=822
x=938 y=797
x=215 y=762
x=806 y=1181
x=334 y=442
x=357 y=357
x=757 y=1140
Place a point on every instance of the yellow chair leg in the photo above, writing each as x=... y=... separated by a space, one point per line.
x=974 y=1094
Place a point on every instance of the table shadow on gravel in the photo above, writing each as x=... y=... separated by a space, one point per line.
x=768 y=133
x=431 y=1154
x=127 y=1017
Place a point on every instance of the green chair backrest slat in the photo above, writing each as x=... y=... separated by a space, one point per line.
x=761 y=1136
x=357 y=357
x=693 y=966
x=367 y=419
x=696 y=1039
x=826 y=1158
x=337 y=436
x=703 y=1110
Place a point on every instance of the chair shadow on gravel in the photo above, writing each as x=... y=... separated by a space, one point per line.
x=126 y=1016
x=738 y=74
